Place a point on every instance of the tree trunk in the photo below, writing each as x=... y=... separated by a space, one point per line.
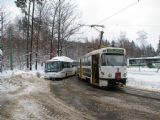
x=32 y=31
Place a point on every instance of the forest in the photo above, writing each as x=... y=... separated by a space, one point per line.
x=49 y=27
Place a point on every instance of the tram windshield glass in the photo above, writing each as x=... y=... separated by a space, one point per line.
x=53 y=66
x=113 y=60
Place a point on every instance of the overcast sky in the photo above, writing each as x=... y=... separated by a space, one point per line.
x=144 y=15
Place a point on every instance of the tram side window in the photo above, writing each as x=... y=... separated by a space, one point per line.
x=89 y=61
x=85 y=62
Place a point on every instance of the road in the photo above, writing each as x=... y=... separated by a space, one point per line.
x=72 y=99
x=111 y=104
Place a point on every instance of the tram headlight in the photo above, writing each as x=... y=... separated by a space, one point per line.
x=109 y=75
x=125 y=74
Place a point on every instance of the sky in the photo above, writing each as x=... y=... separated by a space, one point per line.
x=140 y=16
x=10 y=8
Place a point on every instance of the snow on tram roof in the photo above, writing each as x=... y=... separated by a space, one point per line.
x=61 y=58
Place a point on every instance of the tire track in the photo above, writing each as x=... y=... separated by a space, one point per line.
x=141 y=93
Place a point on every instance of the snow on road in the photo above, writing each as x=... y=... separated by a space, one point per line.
x=26 y=96
x=146 y=78
x=31 y=95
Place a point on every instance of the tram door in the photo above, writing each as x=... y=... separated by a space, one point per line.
x=95 y=69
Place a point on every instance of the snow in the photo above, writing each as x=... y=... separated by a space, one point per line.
x=61 y=58
x=145 y=78
x=23 y=73
x=6 y=87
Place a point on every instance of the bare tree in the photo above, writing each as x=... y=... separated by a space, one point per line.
x=64 y=23
x=142 y=38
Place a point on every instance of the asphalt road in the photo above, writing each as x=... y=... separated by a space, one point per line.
x=108 y=104
x=33 y=98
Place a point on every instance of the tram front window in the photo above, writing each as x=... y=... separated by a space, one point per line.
x=113 y=60
x=52 y=67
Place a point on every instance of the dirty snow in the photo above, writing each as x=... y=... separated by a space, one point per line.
x=23 y=73
x=146 y=78
x=29 y=97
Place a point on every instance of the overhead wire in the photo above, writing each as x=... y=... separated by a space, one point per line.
x=133 y=25
x=117 y=12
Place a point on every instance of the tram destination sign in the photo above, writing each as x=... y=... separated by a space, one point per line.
x=114 y=51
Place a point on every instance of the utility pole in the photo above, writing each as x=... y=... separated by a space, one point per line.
x=101 y=37
x=100 y=31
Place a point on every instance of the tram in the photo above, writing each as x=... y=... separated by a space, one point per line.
x=59 y=67
x=104 y=67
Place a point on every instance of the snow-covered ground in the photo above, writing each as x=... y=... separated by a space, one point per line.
x=23 y=96
x=6 y=86
x=23 y=73
x=145 y=78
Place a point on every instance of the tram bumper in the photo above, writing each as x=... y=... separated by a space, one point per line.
x=105 y=82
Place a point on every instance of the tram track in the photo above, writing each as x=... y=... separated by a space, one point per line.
x=73 y=99
x=128 y=91
x=138 y=93
x=153 y=95
x=112 y=103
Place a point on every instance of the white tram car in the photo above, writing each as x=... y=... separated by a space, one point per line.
x=104 y=66
x=59 y=67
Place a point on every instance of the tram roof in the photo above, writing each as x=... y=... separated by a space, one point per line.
x=101 y=50
x=60 y=58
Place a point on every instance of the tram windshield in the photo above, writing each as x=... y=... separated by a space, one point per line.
x=113 y=60
x=53 y=66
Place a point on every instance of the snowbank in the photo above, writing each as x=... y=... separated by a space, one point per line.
x=146 y=78
x=23 y=73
